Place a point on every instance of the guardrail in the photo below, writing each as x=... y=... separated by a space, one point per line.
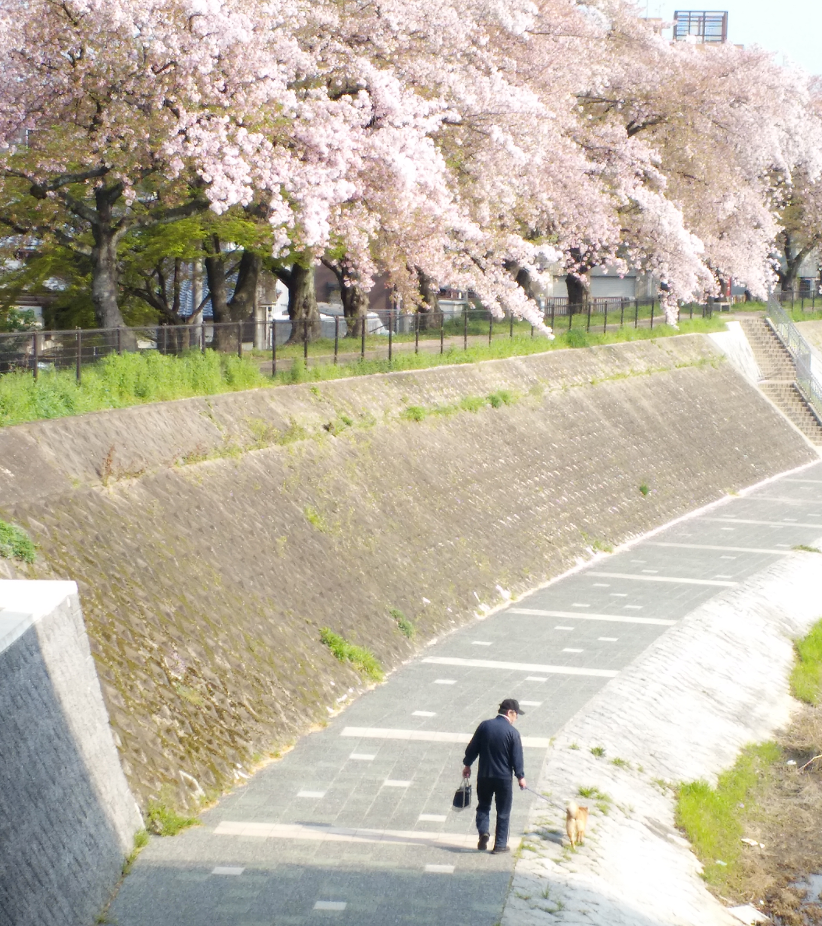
x=800 y=350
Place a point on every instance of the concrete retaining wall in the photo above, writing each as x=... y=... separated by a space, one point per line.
x=67 y=818
x=213 y=538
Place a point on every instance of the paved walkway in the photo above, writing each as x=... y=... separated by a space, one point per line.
x=354 y=824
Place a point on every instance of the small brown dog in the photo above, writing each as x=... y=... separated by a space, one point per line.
x=576 y=819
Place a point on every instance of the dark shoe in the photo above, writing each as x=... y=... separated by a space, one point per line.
x=482 y=845
x=499 y=850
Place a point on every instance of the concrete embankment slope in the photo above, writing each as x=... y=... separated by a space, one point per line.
x=213 y=538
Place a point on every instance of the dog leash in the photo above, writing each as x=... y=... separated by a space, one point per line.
x=540 y=796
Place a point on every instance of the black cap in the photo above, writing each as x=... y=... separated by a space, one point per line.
x=510 y=704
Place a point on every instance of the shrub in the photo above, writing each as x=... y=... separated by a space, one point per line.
x=363 y=660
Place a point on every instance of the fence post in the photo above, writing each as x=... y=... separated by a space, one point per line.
x=442 y=332
x=553 y=309
x=490 y=328
x=588 y=325
x=35 y=355
x=416 y=332
x=465 y=329
x=511 y=327
x=203 y=335
x=652 y=313
x=622 y=312
x=636 y=313
x=305 y=341
x=605 y=323
x=363 y=324
x=119 y=340
x=273 y=346
x=390 y=335
x=79 y=338
x=336 y=337
x=240 y=339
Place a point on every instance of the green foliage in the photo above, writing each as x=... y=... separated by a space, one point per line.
x=13 y=319
x=806 y=676
x=363 y=660
x=598 y=751
x=120 y=381
x=406 y=627
x=15 y=543
x=620 y=763
x=162 y=821
x=713 y=817
x=644 y=488
x=803 y=548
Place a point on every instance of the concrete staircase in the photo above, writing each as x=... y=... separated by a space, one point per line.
x=779 y=378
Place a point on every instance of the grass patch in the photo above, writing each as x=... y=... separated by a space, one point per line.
x=406 y=627
x=806 y=675
x=713 y=817
x=802 y=548
x=598 y=751
x=16 y=544
x=141 y=377
x=119 y=381
x=363 y=660
x=162 y=821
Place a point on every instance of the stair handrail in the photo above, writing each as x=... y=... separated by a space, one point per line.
x=801 y=351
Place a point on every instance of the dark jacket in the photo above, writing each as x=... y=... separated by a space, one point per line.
x=499 y=747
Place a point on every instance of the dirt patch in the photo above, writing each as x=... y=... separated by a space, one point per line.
x=787 y=823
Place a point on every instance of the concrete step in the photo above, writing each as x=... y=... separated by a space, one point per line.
x=789 y=401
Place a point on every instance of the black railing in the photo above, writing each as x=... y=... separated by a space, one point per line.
x=327 y=338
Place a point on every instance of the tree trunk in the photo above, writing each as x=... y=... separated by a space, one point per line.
x=218 y=291
x=354 y=301
x=104 y=279
x=302 y=305
x=430 y=308
x=579 y=290
x=793 y=264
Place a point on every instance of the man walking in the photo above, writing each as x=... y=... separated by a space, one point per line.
x=499 y=747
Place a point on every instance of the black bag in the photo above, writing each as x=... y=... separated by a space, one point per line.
x=462 y=796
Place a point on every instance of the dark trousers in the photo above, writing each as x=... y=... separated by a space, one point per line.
x=501 y=789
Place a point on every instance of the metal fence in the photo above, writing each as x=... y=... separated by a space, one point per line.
x=803 y=299
x=325 y=339
x=809 y=385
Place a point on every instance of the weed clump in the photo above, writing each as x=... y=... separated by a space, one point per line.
x=406 y=627
x=363 y=660
x=413 y=413
x=162 y=821
x=16 y=544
